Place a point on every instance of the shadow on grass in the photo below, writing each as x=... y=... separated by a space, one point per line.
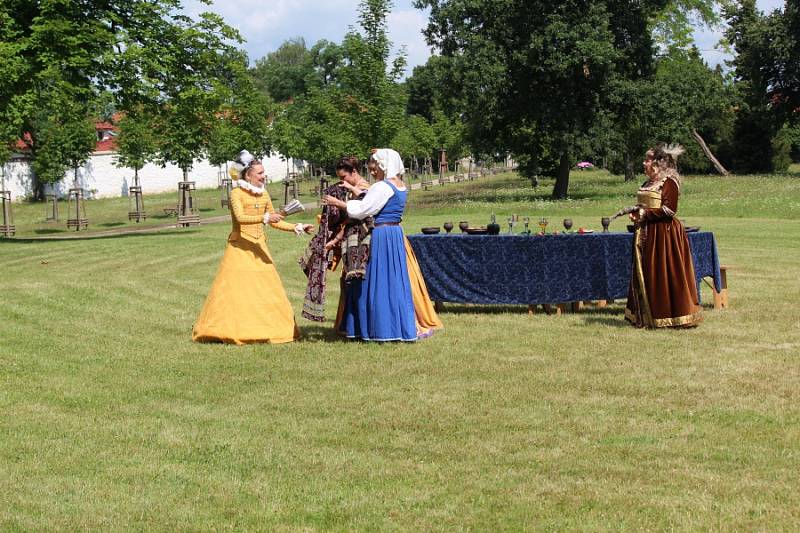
x=143 y=233
x=484 y=309
x=111 y=224
x=617 y=320
x=315 y=333
x=48 y=231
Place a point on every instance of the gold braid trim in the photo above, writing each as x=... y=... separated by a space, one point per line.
x=680 y=321
x=647 y=317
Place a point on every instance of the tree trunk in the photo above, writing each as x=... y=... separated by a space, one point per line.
x=630 y=174
x=562 y=180
x=38 y=189
x=709 y=155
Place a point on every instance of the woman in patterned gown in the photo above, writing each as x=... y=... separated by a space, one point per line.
x=380 y=307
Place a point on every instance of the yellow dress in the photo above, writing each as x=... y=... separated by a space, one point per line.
x=247 y=303
x=426 y=317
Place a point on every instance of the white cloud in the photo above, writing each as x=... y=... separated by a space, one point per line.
x=266 y=25
x=405 y=29
x=707 y=40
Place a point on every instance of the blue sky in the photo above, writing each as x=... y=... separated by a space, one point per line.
x=267 y=24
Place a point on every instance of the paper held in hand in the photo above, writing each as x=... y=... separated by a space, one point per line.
x=294 y=206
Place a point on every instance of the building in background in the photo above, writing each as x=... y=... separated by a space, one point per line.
x=101 y=178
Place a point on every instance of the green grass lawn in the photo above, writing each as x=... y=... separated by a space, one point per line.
x=111 y=418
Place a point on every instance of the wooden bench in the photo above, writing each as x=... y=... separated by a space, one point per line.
x=430 y=183
x=721 y=297
x=171 y=211
x=416 y=186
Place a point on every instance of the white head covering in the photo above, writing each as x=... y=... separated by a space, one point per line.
x=243 y=160
x=390 y=162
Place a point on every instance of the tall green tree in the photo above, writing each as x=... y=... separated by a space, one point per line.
x=415 y=138
x=317 y=128
x=293 y=69
x=428 y=88
x=356 y=105
x=375 y=101
x=683 y=96
x=532 y=72
x=767 y=72
x=537 y=75
x=12 y=72
x=65 y=136
x=138 y=141
x=145 y=52
x=283 y=73
x=205 y=69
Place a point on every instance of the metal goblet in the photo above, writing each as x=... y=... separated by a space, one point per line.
x=543 y=225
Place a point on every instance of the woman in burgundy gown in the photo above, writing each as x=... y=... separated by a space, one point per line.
x=663 y=289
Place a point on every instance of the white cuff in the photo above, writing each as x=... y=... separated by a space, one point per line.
x=299 y=229
x=266 y=218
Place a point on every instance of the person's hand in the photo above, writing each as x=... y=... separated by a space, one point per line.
x=299 y=229
x=330 y=244
x=272 y=218
x=348 y=186
x=332 y=200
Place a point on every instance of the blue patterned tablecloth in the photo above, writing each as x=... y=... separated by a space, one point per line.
x=521 y=269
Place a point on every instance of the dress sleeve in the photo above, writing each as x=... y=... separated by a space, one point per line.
x=373 y=202
x=669 y=203
x=283 y=226
x=237 y=209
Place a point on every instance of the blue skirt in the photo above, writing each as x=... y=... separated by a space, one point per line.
x=379 y=307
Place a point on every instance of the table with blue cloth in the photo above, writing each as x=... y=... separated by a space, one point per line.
x=536 y=269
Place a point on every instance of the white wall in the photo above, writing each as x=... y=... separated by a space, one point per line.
x=102 y=178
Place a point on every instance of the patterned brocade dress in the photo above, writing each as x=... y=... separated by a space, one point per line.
x=247 y=302
x=663 y=289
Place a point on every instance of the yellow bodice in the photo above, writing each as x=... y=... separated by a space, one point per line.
x=649 y=199
x=247 y=215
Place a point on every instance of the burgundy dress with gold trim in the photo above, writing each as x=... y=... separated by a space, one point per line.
x=663 y=289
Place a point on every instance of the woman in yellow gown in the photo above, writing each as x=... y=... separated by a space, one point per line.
x=247 y=302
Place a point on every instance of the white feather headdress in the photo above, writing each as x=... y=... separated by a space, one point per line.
x=675 y=150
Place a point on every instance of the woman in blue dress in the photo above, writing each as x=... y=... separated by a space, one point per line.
x=380 y=307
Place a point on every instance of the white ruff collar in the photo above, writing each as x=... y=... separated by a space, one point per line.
x=246 y=185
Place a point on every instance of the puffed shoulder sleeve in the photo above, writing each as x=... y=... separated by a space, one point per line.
x=372 y=203
x=237 y=209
